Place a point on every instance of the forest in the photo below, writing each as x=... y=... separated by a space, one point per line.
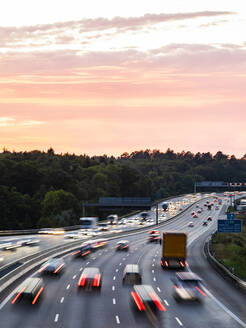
x=45 y=189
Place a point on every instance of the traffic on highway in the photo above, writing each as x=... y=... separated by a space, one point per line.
x=154 y=277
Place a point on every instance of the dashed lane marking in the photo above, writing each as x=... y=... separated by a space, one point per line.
x=114 y=301
x=68 y=286
x=74 y=276
x=166 y=302
x=117 y=319
x=113 y=287
x=62 y=300
x=179 y=322
x=56 y=317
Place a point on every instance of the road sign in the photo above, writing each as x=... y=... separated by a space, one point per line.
x=230 y=216
x=229 y=226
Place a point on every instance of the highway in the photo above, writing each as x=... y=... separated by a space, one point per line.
x=63 y=306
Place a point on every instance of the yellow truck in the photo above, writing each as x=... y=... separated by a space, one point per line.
x=173 y=250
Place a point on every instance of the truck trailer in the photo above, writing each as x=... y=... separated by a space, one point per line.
x=174 y=250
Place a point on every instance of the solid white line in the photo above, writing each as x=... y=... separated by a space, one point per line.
x=179 y=322
x=68 y=286
x=114 y=278
x=113 y=287
x=56 y=317
x=62 y=299
x=158 y=289
x=117 y=319
x=74 y=276
x=166 y=302
x=114 y=302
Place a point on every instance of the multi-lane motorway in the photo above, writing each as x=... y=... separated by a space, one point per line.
x=63 y=306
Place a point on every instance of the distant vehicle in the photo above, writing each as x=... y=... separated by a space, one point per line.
x=209 y=207
x=154 y=236
x=174 y=250
x=52 y=231
x=88 y=222
x=112 y=219
x=209 y=218
x=199 y=211
x=145 y=299
x=72 y=235
x=91 y=278
x=204 y=223
x=122 y=245
x=144 y=215
x=187 y=287
x=165 y=206
x=30 y=290
x=219 y=201
x=84 y=250
x=191 y=224
x=52 y=266
x=122 y=221
x=195 y=216
x=103 y=227
x=132 y=275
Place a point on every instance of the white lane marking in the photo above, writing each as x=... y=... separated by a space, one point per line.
x=94 y=258
x=153 y=265
x=114 y=301
x=74 y=276
x=80 y=269
x=153 y=260
x=117 y=319
x=87 y=263
x=124 y=258
x=100 y=254
x=154 y=278
x=159 y=290
x=113 y=287
x=116 y=270
x=56 y=317
x=166 y=302
x=68 y=286
x=114 y=278
x=179 y=322
x=62 y=300
x=153 y=271
x=120 y=263
x=127 y=255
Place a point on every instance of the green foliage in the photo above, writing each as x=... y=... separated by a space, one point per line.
x=29 y=181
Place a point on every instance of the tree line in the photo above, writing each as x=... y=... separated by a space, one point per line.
x=42 y=189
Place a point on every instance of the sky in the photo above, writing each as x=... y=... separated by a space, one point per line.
x=107 y=77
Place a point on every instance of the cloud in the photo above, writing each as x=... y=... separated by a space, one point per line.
x=11 y=122
x=57 y=32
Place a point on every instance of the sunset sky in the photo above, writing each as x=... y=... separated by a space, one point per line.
x=107 y=77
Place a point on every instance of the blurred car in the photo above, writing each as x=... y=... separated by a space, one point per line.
x=122 y=222
x=154 y=237
x=72 y=235
x=209 y=218
x=84 y=250
x=131 y=275
x=199 y=211
x=30 y=291
x=145 y=299
x=103 y=227
x=187 y=287
x=122 y=245
x=151 y=232
x=52 y=266
x=217 y=207
x=204 y=223
x=91 y=278
x=195 y=216
x=192 y=213
x=191 y=224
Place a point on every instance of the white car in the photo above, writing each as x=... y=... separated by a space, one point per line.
x=191 y=224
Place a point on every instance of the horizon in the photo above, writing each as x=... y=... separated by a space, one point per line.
x=102 y=80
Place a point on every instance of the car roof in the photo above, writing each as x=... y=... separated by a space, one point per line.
x=144 y=291
x=30 y=284
x=186 y=276
x=91 y=271
x=123 y=242
x=132 y=268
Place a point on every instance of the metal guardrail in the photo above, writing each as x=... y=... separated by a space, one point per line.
x=225 y=272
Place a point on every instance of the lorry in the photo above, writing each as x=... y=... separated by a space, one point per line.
x=88 y=222
x=173 y=250
x=112 y=219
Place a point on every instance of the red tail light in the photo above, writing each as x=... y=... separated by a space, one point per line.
x=138 y=301
x=166 y=263
x=85 y=253
x=44 y=267
x=82 y=280
x=200 y=291
x=182 y=264
x=37 y=296
x=157 y=301
x=75 y=252
x=96 y=281
x=57 y=269
x=18 y=295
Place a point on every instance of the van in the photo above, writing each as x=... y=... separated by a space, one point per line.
x=132 y=275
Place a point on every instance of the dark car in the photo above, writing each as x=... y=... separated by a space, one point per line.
x=83 y=250
x=209 y=218
x=52 y=266
x=204 y=223
x=187 y=287
x=132 y=275
x=145 y=298
x=91 y=278
x=29 y=291
x=122 y=245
